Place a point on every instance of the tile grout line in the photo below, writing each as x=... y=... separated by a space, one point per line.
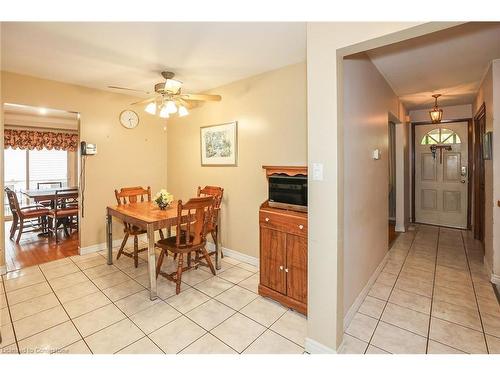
x=392 y=288
x=475 y=295
x=10 y=315
x=432 y=294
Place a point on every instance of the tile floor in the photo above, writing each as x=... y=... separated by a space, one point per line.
x=81 y=305
x=433 y=296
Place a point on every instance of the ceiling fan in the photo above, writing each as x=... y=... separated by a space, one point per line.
x=169 y=98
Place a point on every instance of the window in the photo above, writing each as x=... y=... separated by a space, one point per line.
x=440 y=136
x=25 y=169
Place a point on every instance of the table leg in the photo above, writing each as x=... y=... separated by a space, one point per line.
x=217 y=245
x=109 y=238
x=151 y=262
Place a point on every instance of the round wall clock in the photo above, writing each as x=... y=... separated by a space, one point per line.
x=129 y=119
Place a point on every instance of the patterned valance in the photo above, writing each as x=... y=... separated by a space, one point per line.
x=32 y=139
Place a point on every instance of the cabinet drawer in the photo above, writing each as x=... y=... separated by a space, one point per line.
x=285 y=223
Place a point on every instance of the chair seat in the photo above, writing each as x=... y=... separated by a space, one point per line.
x=134 y=231
x=170 y=244
x=34 y=212
x=64 y=212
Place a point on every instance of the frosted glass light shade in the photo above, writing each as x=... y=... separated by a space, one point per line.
x=151 y=108
x=183 y=111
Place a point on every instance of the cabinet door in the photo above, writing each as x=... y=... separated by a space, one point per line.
x=296 y=267
x=273 y=259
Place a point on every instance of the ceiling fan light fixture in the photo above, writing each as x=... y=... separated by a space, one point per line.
x=170 y=106
x=164 y=112
x=436 y=113
x=183 y=111
x=172 y=85
x=151 y=108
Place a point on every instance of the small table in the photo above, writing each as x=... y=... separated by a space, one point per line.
x=148 y=216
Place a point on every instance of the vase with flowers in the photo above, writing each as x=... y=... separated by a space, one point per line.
x=163 y=199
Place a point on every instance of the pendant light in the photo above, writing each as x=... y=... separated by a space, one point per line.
x=436 y=113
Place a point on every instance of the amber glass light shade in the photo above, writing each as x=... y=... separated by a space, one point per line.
x=436 y=115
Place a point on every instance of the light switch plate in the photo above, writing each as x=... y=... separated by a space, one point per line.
x=317 y=174
x=376 y=154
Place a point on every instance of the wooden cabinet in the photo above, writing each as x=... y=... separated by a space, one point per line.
x=283 y=256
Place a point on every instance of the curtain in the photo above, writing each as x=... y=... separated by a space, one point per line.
x=32 y=139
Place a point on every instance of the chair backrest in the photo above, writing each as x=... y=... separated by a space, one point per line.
x=214 y=191
x=65 y=198
x=199 y=212
x=48 y=185
x=13 y=201
x=132 y=194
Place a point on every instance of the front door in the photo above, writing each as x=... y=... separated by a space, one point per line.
x=441 y=168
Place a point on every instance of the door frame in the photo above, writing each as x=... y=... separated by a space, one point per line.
x=479 y=195
x=469 y=163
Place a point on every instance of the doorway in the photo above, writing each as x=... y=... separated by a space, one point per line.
x=441 y=166
x=392 y=181
x=41 y=177
x=479 y=179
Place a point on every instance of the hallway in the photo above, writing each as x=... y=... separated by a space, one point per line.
x=432 y=296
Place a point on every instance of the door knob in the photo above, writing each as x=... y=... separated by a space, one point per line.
x=301 y=226
x=462 y=181
x=267 y=219
x=281 y=268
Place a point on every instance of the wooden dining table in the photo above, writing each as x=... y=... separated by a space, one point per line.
x=45 y=194
x=148 y=216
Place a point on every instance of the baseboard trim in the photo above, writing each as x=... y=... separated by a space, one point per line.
x=495 y=279
x=236 y=255
x=3 y=270
x=314 y=347
x=361 y=297
x=400 y=228
x=98 y=247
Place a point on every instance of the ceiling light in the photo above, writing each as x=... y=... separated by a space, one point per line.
x=164 y=112
x=436 y=113
x=42 y=111
x=172 y=85
x=183 y=111
x=171 y=107
x=151 y=108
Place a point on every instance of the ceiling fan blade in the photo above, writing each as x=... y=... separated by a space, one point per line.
x=126 y=88
x=144 y=101
x=201 y=97
x=188 y=105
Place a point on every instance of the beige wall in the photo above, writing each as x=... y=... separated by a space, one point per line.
x=125 y=157
x=271 y=112
x=368 y=100
x=2 y=227
x=325 y=43
x=489 y=93
x=453 y=112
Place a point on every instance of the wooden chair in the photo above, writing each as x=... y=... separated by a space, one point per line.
x=193 y=239
x=213 y=226
x=65 y=211
x=128 y=195
x=32 y=217
x=48 y=185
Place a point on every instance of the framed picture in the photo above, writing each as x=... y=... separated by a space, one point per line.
x=219 y=144
x=487 y=146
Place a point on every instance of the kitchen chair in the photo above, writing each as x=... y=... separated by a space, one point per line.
x=65 y=212
x=128 y=195
x=45 y=186
x=213 y=226
x=192 y=239
x=32 y=217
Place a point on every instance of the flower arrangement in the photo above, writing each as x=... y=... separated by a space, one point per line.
x=163 y=199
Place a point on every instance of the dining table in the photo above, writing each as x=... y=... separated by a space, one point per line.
x=43 y=195
x=149 y=217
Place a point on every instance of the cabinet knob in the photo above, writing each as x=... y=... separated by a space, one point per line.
x=267 y=219
x=286 y=270
x=301 y=226
x=281 y=268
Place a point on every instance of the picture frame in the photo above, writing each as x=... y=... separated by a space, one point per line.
x=219 y=145
x=487 y=146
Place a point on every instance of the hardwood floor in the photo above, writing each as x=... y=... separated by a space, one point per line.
x=32 y=249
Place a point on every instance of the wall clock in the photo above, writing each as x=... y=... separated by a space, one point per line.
x=129 y=119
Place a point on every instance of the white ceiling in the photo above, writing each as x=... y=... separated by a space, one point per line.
x=203 y=55
x=450 y=62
